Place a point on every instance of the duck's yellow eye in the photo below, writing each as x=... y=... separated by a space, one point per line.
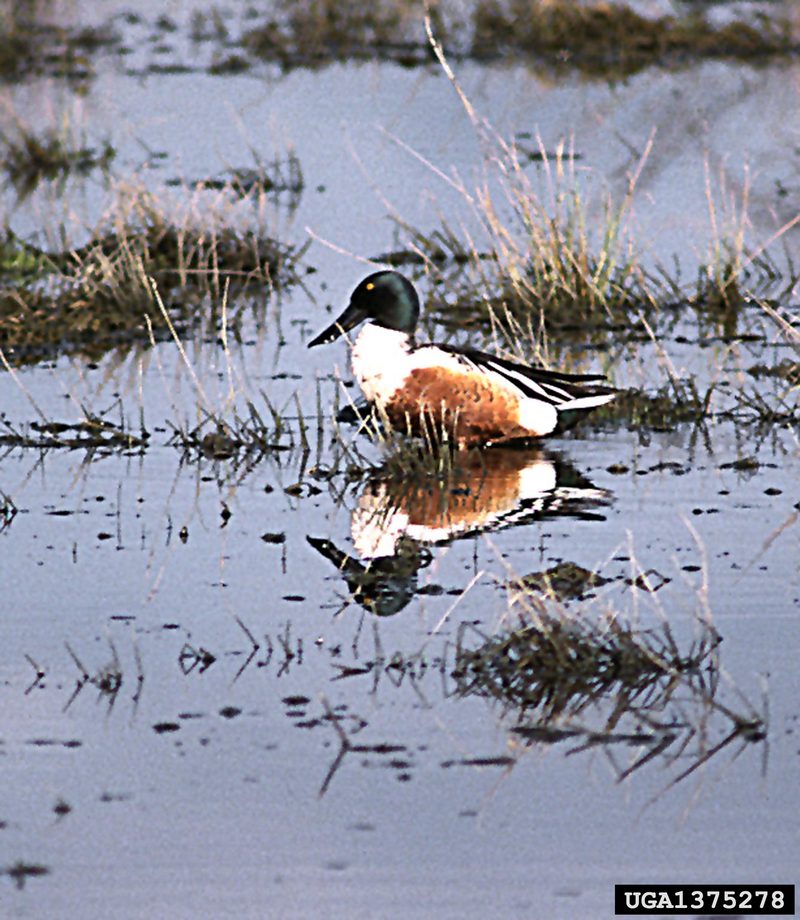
x=370 y=286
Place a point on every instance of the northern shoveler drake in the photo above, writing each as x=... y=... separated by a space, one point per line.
x=475 y=397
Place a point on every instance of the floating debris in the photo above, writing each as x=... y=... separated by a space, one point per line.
x=21 y=871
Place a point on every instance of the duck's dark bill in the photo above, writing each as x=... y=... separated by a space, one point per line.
x=351 y=317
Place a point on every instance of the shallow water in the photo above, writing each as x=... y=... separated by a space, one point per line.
x=199 y=792
x=213 y=779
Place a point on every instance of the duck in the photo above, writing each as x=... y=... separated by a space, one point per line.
x=443 y=392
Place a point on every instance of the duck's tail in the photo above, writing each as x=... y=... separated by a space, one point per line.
x=585 y=401
x=572 y=411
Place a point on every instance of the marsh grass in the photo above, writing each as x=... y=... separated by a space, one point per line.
x=534 y=260
x=756 y=409
x=225 y=430
x=20 y=261
x=245 y=436
x=555 y=271
x=94 y=433
x=560 y=665
x=601 y=682
x=32 y=46
x=564 y=581
x=95 y=297
x=108 y=679
x=279 y=180
x=405 y=459
x=234 y=428
x=403 y=452
x=614 y=40
x=316 y=32
x=242 y=435
x=734 y=274
x=682 y=401
x=541 y=265
x=599 y=40
x=678 y=401
x=787 y=321
x=51 y=154
x=598 y=681
x=786 y=369
x=777 y=405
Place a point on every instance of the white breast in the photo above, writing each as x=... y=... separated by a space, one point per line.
x=382 y=359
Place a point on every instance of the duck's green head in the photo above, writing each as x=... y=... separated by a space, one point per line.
x=386 y=298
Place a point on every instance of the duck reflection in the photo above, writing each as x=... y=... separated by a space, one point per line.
x=396 y=519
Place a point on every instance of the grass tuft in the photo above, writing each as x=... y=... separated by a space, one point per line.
x=614 y=40
x=98 y=296
x=316 y=32
x=30 y=46
x=235 y=435
x=93 y=433
x=559 y=666
x=53 y=154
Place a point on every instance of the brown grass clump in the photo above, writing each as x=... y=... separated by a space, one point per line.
x=611 y=39
x=31 y=157
x=316 y=32
x=99 y=295
x=30 y=46
x=560 y=666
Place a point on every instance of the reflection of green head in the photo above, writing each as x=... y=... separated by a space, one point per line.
x=384 y=586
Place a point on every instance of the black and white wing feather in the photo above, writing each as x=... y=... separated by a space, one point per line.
x=563 y=391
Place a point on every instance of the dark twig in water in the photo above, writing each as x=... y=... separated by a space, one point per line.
x=39 y=672
x=191 y=658
x=254 y=648
x=346 y=746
